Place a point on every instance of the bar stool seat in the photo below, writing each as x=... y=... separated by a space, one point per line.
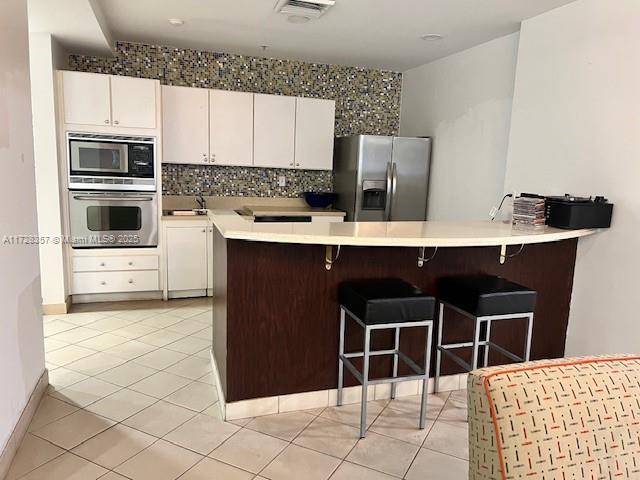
x=389 y=299
x=483 y=295
x=376 y=304
x=483 y=299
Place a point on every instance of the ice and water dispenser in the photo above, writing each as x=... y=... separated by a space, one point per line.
x=374 y=194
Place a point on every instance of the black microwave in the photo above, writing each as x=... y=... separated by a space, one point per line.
x=111 y=162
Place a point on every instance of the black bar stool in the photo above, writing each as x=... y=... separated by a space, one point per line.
x=483 y=299
x=378 y=304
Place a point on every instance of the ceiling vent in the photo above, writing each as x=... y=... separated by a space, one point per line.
x=306 y=8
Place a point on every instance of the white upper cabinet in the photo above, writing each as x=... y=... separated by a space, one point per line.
x=109 y=100
x=86 y=98
x=185 y=125
x=223 y=127
x=274 y=131
x=231 y=127
x=133 y=102
x=315 y=119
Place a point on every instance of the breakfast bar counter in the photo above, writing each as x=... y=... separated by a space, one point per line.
x=275 y=289
x=388 y=234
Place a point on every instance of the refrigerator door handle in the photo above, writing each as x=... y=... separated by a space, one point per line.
x=394 y=186
x=387 y=202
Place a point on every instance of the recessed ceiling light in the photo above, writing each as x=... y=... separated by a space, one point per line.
x=431 y=37
x=176 y=22
x=297 y=19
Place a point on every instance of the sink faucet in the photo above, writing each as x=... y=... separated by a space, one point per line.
x=202 y=203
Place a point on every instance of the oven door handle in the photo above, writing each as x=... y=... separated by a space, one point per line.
x=113 y=199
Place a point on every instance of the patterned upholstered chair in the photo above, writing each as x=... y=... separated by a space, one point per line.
x=565 y=419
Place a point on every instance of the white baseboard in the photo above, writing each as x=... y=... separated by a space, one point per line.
x=56 y=308
x=116 y=297
x=257 y=407
x=216 y=376
x=19 y=431
x=187 y=293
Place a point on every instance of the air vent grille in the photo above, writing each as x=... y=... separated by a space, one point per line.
x=307 y=8
x=302 y=4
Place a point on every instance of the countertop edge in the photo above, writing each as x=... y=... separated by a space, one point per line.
x=380 y=241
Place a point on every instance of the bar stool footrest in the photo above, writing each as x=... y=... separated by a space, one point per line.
x=467 y=366
x=419 y=372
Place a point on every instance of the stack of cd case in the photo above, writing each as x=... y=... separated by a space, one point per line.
x=529 y=212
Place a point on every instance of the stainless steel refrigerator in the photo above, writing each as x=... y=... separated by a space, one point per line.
x=380 y=178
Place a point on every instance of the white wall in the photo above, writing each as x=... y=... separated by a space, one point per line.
x=576 y=128
x=21 y=344
x=464 y=102
x=45 y=56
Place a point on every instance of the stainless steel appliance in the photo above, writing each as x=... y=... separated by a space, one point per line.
x=380 y=178
x=113 y=219
x=111 y=162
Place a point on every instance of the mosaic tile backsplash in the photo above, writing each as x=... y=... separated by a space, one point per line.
x=367 y=102
x=180 y=179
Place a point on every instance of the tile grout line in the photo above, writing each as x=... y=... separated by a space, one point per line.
x=120 y=388
x=312 y=416
x=427 y=436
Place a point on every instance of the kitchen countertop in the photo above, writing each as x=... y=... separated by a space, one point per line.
x=389 y=234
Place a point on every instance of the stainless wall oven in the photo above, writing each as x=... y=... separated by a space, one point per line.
x=113 y=219
x=111 y=162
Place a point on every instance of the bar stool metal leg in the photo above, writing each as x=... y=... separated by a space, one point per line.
x=476 y=341
x=425 y=380
x=365 y=381
x=395 y=363
x=527 y=352
x=436 y=381
x=341 y=352
x=486 y=347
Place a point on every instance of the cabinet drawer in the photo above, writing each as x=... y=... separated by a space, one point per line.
x=129 y=262
x=110 y=282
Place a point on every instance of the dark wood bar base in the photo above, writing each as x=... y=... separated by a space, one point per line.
x=276 y=313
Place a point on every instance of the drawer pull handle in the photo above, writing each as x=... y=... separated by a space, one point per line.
x=103 y=283
x=102 y=264
x=130 y=281
x=116 y=122
x=130 y=263
x=204 y=230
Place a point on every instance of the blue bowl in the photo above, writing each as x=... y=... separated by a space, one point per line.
x=319 y=199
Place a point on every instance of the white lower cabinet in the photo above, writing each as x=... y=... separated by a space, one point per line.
x=187 y=258
x=115 y=274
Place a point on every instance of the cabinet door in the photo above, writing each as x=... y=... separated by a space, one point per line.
x=133 y=102
x=86 y=98
x=185 y=125
x=231 y=132
x=273 y=131
x=315 y=119
x=187 y=258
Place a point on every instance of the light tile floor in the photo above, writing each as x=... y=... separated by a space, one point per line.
x=131 y=397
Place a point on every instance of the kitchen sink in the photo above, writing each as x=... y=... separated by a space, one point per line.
x=186 y=213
